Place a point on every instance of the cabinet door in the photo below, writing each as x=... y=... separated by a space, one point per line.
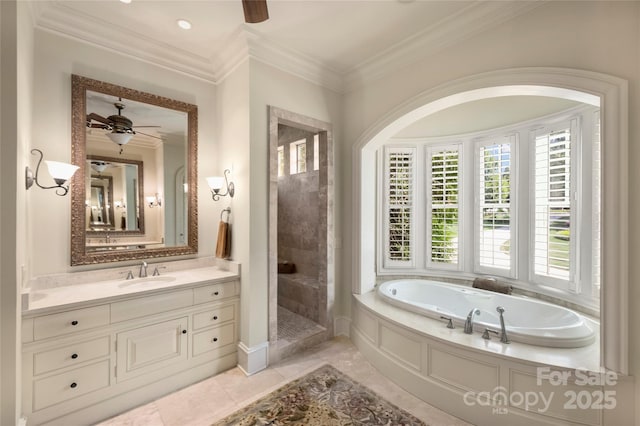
x=150 y=348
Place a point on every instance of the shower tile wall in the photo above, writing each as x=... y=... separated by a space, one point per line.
x=298 y=226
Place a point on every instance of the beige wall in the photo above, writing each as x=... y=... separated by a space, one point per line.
x=594 y=36
x=56 y=58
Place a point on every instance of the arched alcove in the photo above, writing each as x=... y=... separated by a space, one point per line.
x=582 y=86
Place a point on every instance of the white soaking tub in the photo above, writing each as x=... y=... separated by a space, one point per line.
x=527 y=320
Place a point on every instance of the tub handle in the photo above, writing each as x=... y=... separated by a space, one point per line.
x=449 y=323
x=486 y=334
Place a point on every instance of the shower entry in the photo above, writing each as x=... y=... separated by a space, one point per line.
x=301 y=284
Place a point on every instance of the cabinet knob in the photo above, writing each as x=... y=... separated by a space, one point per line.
x=215 y=293
x=74 y=322
x=73 y=385
x=74 y=356
x=184 y=331
x=215 y=317
x=215 y=339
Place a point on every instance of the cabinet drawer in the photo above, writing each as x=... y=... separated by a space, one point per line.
x=61 y=387
x=70 y=355
x=143 y=306
x=218 y=337
x=214 y=292
x=214 y=316
x=70 y=321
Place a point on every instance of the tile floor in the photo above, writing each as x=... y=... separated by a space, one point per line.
x=214 y=398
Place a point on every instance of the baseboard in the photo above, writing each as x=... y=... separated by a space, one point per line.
x=254 y=359
x=342 y=326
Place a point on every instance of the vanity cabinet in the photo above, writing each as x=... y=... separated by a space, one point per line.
x=86 y=364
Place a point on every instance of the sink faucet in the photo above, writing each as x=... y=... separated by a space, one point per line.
x=503 y=329
x=468 y=324
x=143 y=269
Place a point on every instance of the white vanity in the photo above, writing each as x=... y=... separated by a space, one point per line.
x=93 y=350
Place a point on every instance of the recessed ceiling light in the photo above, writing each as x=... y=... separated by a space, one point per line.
x=184 y=24
x=126 y=1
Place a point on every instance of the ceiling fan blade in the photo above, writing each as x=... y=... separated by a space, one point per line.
x=98 y=126
x=137 y=127
x=147 y=134
x=94 y=116
x=255 y=11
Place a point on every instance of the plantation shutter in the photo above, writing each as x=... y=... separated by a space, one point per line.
x=443 y=209
x=553 y=248
x=399 y=196
x=495 y=221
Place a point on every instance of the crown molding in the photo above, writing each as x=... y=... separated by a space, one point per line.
x=246 y=43
x=58 y=18
x=467 y=22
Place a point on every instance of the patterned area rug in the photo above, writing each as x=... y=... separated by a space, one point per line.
x=324 y=397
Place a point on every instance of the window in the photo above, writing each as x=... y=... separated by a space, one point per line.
x=298 y=156
x=398 y=200
x=494 y=219
x=280 y=161
x=502 y=203
x=553 y=208
x=316 y=152
x=443 y=208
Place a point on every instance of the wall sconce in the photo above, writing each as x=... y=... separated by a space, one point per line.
x=153 y=201
x=60 y=172
x=217 y=182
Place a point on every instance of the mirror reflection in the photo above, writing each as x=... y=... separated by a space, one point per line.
x=137 y=152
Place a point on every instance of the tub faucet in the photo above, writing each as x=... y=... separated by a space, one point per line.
x=503 y=329
x=468 y=324
x=143 y=269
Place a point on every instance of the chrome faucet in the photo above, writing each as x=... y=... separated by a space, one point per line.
x=143 y=269
x=468 y=324
x=503 y=329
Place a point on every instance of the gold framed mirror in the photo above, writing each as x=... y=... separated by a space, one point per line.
x=135 y=194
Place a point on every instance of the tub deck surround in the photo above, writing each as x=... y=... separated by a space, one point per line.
x=527 y=320
x=587 y=357
x=68 y=291
x=483 y=381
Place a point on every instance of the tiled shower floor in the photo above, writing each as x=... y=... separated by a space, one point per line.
x=293 y=327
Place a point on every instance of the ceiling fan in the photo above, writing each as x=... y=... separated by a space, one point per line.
x=120 y=127
x=255 y=11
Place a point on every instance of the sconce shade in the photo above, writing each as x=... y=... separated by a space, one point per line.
x=215 y=183
x=60 y=171
x=120 y=138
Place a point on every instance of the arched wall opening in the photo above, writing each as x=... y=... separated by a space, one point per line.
x=610 y=93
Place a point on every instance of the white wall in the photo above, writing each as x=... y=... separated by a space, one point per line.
x=56 y=58
x=595 y=36
x=244 y=97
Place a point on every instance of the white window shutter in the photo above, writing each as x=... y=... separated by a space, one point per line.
x=398 y=199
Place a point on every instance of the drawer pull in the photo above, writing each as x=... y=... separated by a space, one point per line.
x=184 y=331
x=74 y=356
x=215 y=293
x=215 y=339
x=73 y=385
x=74 y=322
x=215 y=317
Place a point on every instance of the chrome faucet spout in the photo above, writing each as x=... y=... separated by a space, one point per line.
x=503 y=330
x=468 y=324
x=143 y=270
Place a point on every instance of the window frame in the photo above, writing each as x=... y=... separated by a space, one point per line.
x=585 y=293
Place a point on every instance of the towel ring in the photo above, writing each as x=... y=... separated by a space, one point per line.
x=228 y=210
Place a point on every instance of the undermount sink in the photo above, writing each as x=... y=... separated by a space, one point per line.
x=147 y=280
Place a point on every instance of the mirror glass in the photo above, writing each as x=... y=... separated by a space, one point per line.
x=135 y=193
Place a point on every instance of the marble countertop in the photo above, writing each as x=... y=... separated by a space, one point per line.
x=56 y=298
x=585 y=358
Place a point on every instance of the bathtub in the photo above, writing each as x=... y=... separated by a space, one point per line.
x=527 y=320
